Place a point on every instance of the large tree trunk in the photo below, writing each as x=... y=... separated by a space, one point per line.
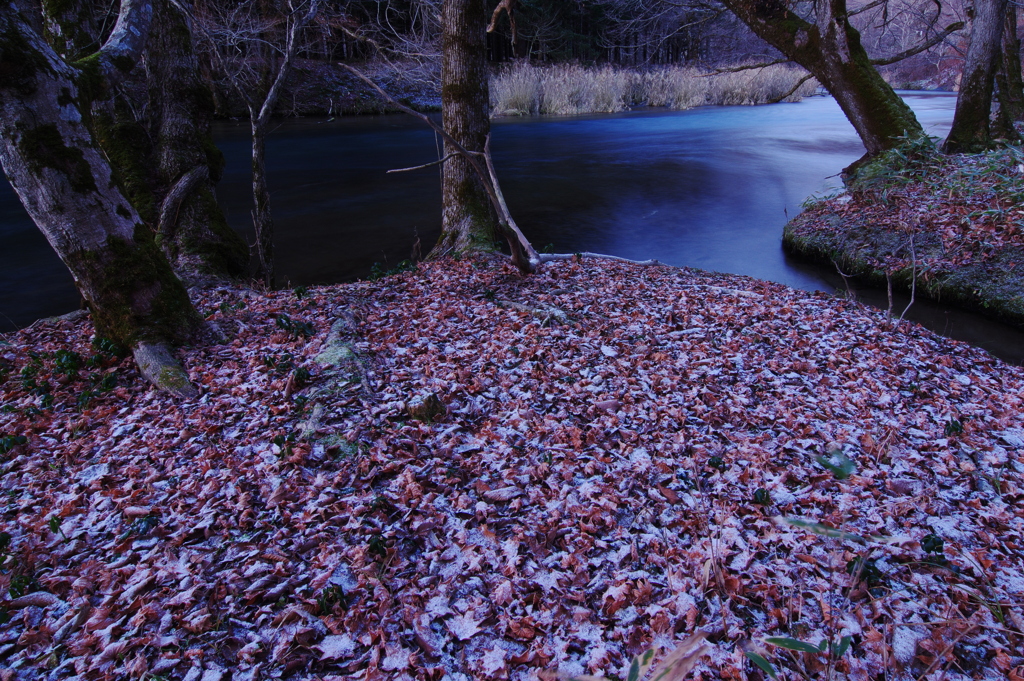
x=830 y=48
x=192 y=227
x=68 y=189
x=468 y=219
x=165 y=159
x=970 y=131
x=1009 y=83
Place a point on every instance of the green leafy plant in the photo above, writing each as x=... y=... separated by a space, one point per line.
x=329 y=597
x=837 y=463
x=9 y=442
x=832 y=650
x=954 y=427
x=762 y=497
x=300 y=292
x=718 y=463
x=297 y=329
x=55 y=527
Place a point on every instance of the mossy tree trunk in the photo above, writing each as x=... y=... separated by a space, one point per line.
x=70 y=191
x=468 y=219
x=1009 y=83
x=164 y=158
x=970 y=130
x=830 y=48
x=193 y=230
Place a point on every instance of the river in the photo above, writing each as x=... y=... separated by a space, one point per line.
x=709 y=187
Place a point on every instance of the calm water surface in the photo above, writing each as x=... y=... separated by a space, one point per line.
x=708 y=188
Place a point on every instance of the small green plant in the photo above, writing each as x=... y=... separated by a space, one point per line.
x=932 y=543
x=954 y=427
x=300 y=292
x=296 y=329
x=762 y=497
x=833 y=650
x=67 y=362
x=377 y=547
x=718 y=463
x=9 y=442
x=329 y=597
x=837 y=463
x=55 y=527
x=22 y=584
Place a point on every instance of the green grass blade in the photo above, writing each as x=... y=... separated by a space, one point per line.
x=762 y=663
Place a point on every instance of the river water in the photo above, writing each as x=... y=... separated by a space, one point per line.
x=709 y=188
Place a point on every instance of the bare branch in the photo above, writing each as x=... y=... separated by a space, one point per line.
x=425 y=165
x=928 y=44
x=750 y=67
x=793 y=89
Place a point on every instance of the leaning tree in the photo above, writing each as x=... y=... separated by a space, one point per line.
x=69 y=190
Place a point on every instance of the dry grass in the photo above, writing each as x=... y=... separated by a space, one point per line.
x=522 y=89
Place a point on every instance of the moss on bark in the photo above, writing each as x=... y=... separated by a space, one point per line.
x=136 y=296
x=44 y=147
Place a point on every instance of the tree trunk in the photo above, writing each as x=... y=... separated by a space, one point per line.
x=970 y=131
x=194 y=233
x=1009 y=83
x=468 y=220
x=262 y=218
x=68 y=189
x=830 y=48
x=151 y=154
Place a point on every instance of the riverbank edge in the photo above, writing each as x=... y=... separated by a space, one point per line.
x=847 y=240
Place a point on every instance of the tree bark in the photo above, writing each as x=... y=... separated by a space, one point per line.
x=830 y=48
x=468 y=220
x=152 y=152
x=1009 y=83
x=201 y=243
x=970 y=130
x=69 y=190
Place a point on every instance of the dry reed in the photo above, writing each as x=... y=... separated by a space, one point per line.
x=522 y=89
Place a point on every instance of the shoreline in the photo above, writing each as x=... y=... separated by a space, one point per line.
x=947 y=228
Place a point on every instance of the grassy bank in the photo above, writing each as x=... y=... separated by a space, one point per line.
x=523 y=89
x=949 y=227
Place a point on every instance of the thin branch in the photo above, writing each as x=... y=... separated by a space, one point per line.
x=425 y=165
x=928 y=44
x=913 y=274
x=866 y=8
x=750 y=67
x=793 y=89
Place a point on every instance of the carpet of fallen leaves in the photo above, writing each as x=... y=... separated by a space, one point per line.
x=616 y=447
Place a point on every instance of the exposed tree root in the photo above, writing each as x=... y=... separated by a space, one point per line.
x=159 y=367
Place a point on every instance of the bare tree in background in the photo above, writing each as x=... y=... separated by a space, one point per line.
x=253 y=44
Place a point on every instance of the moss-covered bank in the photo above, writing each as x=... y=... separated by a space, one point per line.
x=955 y=224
